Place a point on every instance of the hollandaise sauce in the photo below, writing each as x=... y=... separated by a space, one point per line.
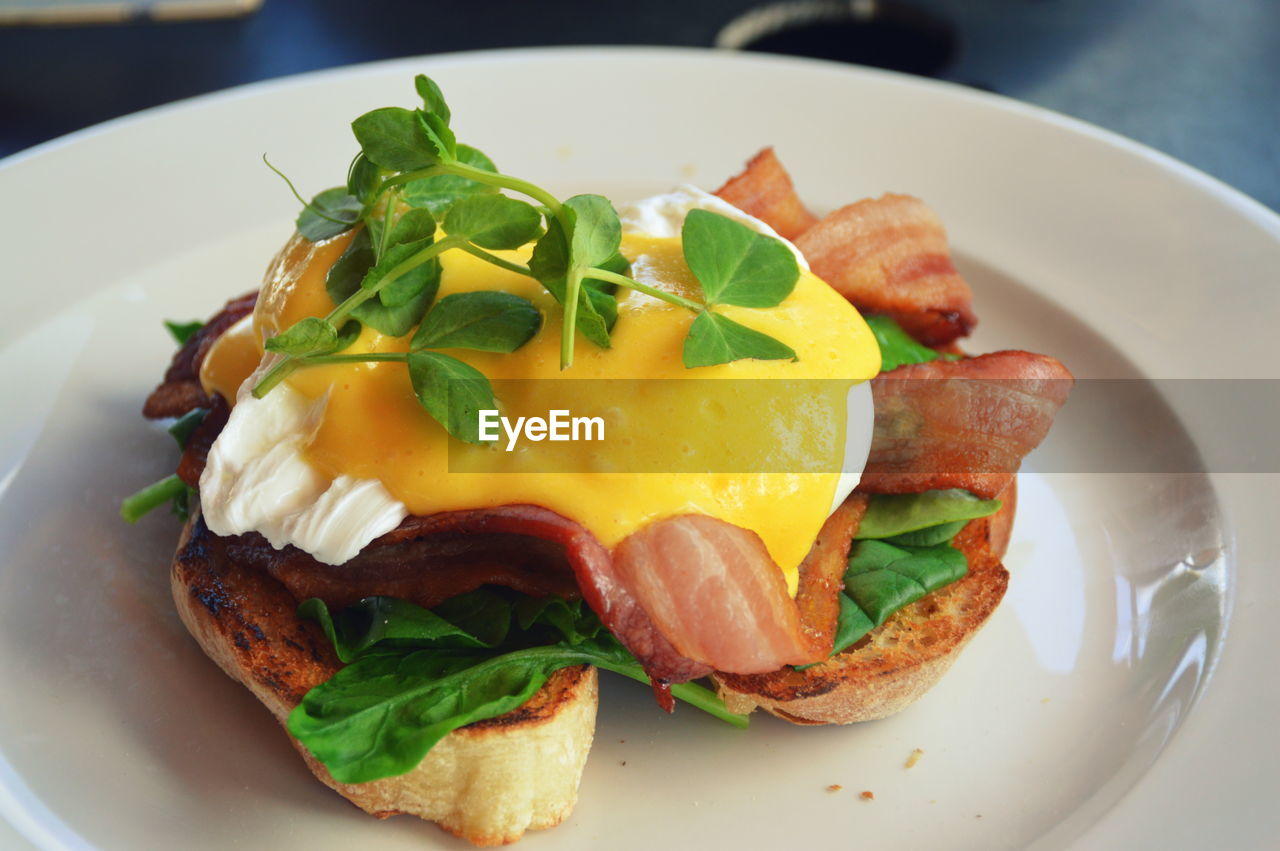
x=373 y=427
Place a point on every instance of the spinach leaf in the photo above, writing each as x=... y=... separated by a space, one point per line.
x=183 y=331
x=568 y=619
x=882 y=577
x=735 y=264
x=897 y=347
x=486 y=320
x=930 y=536
x=378 y=716
x=411 y=683
x=896 y=514
x=330 y=213
x=715 y=339
x=485 y=613
x=852 y=624
x=358 y=627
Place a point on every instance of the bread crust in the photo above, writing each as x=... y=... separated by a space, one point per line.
x=487 y=782
x=896 y=663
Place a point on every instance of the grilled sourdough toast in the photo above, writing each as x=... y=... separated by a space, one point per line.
x=487 y=782
x=896 y=663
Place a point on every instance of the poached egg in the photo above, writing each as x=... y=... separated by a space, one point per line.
x=339 y=454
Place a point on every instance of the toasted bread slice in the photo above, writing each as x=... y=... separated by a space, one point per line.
x=487 y=782
x=896 y=663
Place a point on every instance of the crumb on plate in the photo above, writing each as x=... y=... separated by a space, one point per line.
x=914 y=758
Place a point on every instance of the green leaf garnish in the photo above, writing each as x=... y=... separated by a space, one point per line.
x=597 y=232
x=311 y=335
x=715 y=339
x=440 y=136
x=396 y=139
x=362 y=178
x=486 y=320
x=452 y=392
x=356 y=265
x=330 y=213
x=597 y=309
x=389 y=275
x=493 y=221
x=736 y=265
x=432 y=98
x=409 y=236
x=442 y=191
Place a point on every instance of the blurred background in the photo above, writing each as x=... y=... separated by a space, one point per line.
x=1197 y=79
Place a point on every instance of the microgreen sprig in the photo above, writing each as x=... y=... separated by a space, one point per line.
x=412 y=180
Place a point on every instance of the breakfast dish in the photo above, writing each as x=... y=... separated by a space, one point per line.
x=423 y=612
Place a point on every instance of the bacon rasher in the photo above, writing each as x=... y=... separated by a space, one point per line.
x=886 y=255
x=713 y=589
x=764 y=190
x=963 y=424
x=889 y=255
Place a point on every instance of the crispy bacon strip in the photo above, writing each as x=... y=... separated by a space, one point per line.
x=764 y=190
x=964 y=424
x=889 y=255
x=429 y=559
x=181 y=391
x=715 y=592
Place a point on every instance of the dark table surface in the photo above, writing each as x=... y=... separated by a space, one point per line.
x=1197 y=79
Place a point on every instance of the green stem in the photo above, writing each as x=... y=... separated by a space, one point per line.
x=506 y=181
x=572 y=286
x=388 y=223
x=624 y=281
x=364 y=357
x=152 y=496
x=303 y=201
x=692 y=694
x=401 y=180
x=477 y=251
x=340 y=313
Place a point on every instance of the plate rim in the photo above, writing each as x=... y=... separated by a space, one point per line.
x=1238 y=202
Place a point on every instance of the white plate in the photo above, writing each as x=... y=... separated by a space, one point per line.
x=1067 y=719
